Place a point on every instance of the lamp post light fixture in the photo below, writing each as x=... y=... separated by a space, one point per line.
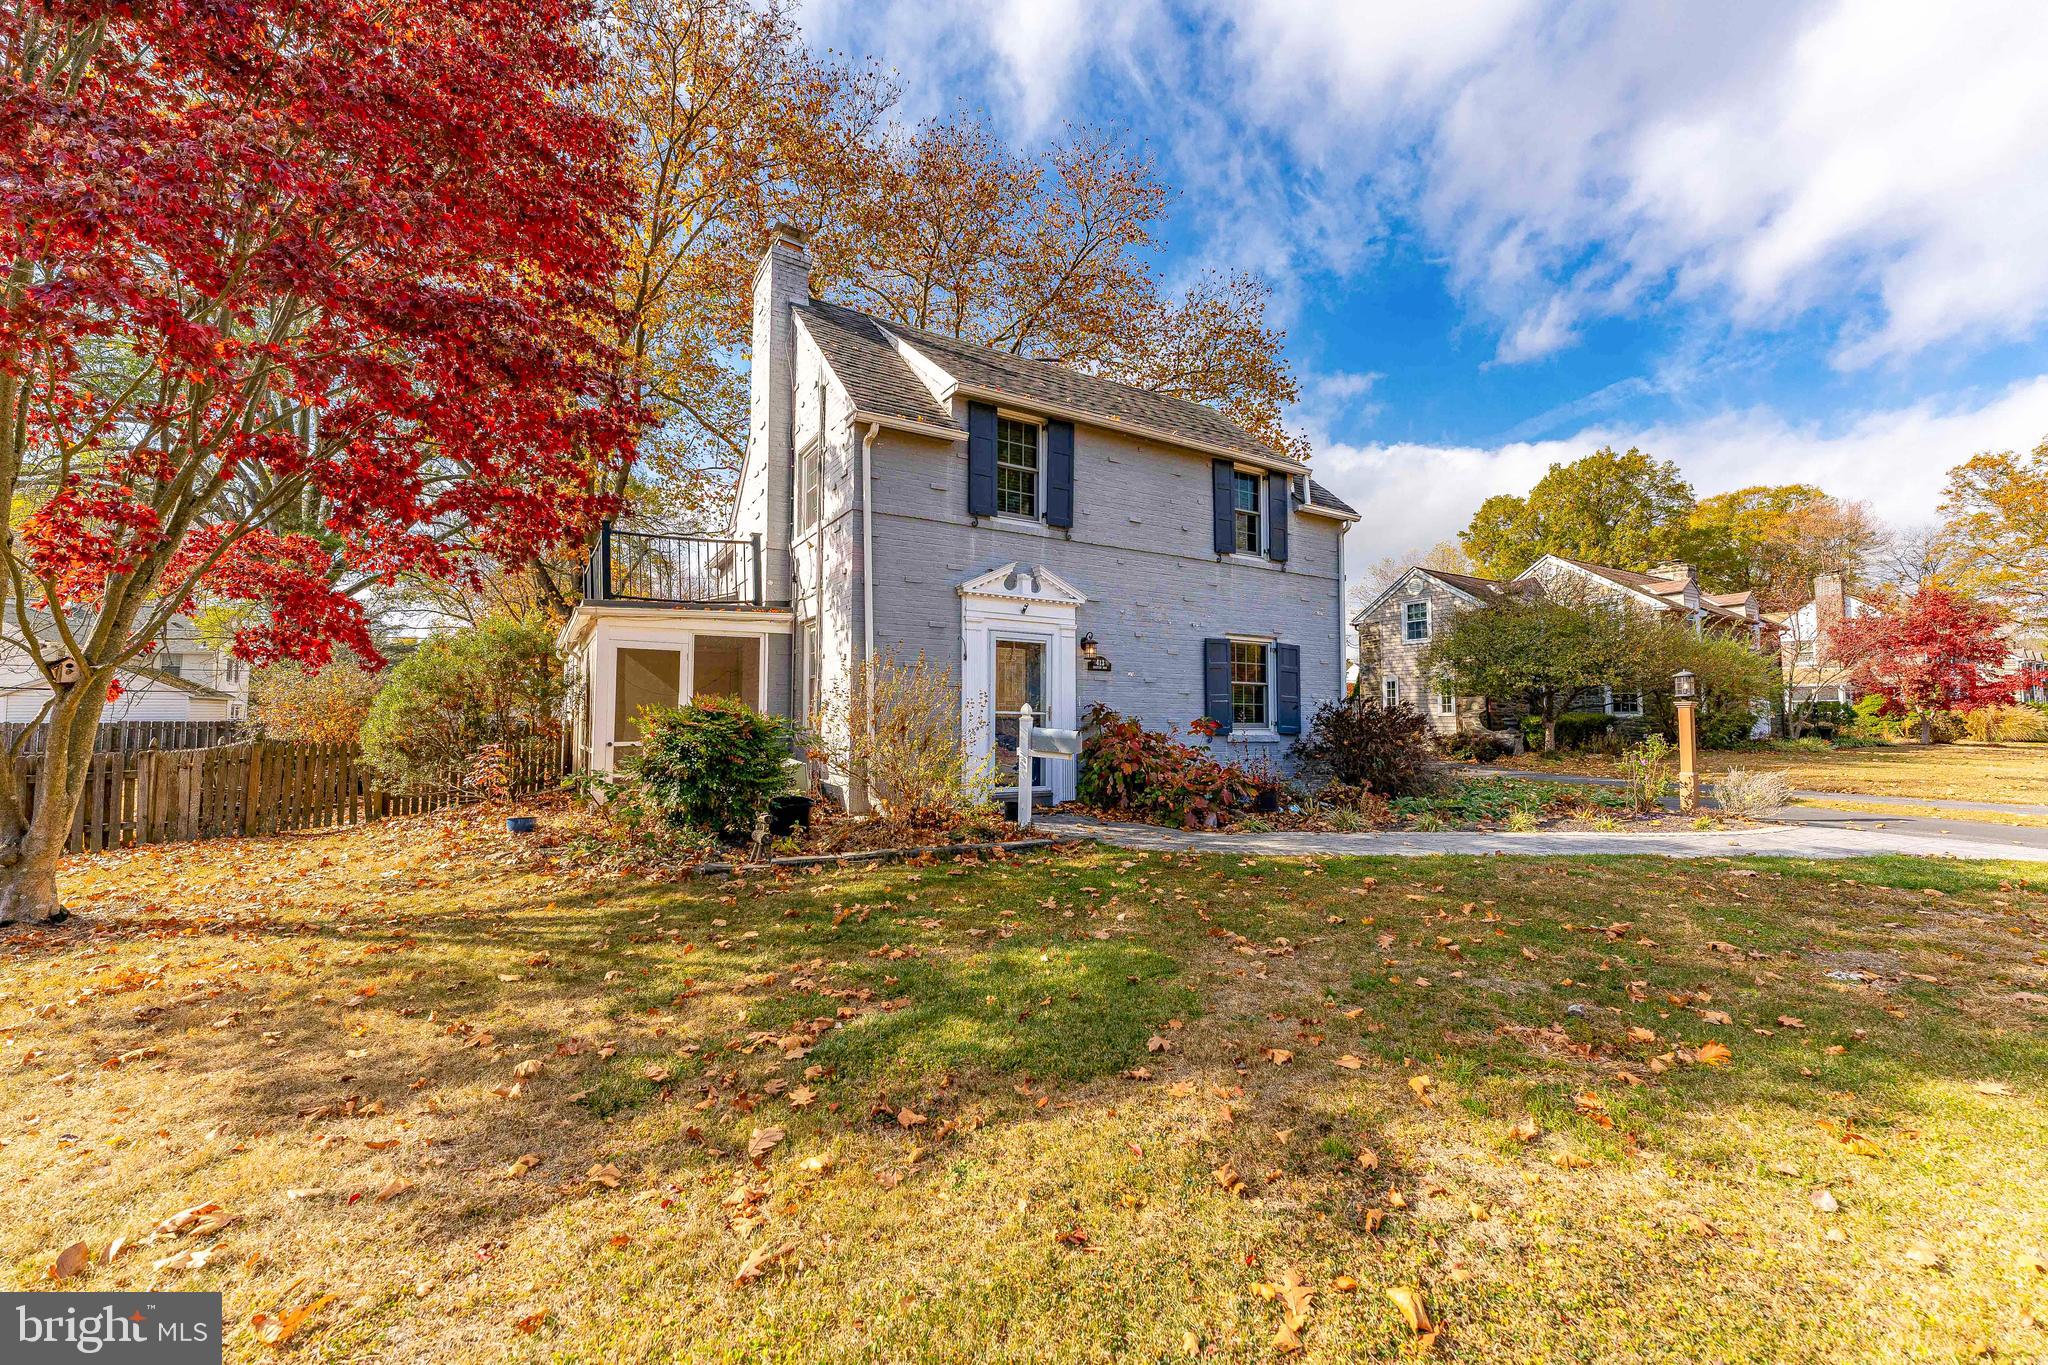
x=1685 y=691
x=1088 y=646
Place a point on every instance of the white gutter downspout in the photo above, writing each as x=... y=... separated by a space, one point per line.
x=867 y=541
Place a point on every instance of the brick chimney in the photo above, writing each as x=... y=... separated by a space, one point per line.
x=1830 y=602
x=782 y=281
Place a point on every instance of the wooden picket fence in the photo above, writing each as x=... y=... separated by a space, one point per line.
x=255 y=787
x=130 y=736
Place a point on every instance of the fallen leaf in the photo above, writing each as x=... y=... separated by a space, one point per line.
x=909 y=1118
x=72 y=1260
x=1526 y=1130
x=399 y=1185
x=1422 y=1085
x=605 y=1174
x=1716 y=1016
x=521 y=1166
x=275 y=1329
x=1414 y=1311
x=1713 y=1054
x=751 y=1268
x=1349 y=1062
x=1344 y=1284
x=1824 y=1200
x=531 y=1323
x=763 y=1142
x=1992 y=1088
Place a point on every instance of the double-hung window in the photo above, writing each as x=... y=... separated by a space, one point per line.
x=1390 y=691
x=1017 y=467
x=1245 y=486
x=808 y=490
x=1446 y=700
x=1250 y=683
x=1415 y=622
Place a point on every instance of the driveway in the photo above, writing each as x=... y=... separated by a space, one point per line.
x=1926 y=802
x=1801 y=840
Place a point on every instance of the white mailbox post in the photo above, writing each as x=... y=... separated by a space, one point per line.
x=1033 y=742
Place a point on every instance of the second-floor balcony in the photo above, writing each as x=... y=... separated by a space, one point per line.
x=633 y=566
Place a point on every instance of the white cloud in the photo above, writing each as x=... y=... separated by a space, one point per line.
x=1896 y=459
x=1884 y=160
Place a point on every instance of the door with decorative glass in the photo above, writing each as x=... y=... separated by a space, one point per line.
x=1019 y=681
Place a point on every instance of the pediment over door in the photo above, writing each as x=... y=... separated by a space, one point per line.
x=1024 y=583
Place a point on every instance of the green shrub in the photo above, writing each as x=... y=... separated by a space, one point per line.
x=1647 y=764
x=1362 y=743
x=1725 y=725
x=713 y=765
x=1127 y=769
x=496 y=683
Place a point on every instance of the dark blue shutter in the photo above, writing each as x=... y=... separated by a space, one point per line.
x=1279 y=501
x=1287 y=688
x=1216 y=680
x=981 y=460
x=1225 y=507
x=1059 y=474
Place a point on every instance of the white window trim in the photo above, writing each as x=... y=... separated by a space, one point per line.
x=812 y=449
x=1390 y=691
x=1038 y=491
x=988 y=611
x=1262 y=552
x=1245 y=734
x=1428 y=623
x=1446 y=698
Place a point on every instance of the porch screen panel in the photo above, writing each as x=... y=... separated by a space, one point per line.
x=728 y=666
x=645 y=677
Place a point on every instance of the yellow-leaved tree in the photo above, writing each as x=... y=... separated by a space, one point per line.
x=1994 y=536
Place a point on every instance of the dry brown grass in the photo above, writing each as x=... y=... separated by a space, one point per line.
x=285 y=1027
x=2006 y=773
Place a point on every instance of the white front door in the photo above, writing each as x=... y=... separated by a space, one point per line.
x=1019 y=673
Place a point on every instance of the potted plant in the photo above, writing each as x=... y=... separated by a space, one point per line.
x=490 y=776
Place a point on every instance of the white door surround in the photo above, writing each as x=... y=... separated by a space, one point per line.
x=1017 y=603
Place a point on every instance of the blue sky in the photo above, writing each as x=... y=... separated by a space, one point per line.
x=1769 y=241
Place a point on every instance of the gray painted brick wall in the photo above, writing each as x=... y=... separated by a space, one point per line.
x=1140 y=549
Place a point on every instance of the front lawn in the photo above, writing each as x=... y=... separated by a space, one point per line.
x=1104 y=1106
x=2012 y=773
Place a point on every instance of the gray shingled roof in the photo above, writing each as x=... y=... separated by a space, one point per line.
x=1319 y=496
x=877 y=377
x=854 y=341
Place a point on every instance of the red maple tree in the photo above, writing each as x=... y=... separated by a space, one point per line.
x=1934 y=651
x=291 y=292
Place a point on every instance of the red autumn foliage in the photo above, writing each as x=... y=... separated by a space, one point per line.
x=271 y=254
x=1934 y=651
x=295 y=295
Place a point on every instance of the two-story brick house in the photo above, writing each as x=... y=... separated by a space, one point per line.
x=1053 y=538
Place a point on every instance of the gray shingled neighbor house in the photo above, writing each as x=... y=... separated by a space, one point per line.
x=1052 y=538
x=1396 y=629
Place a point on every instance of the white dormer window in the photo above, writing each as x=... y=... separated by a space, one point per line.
x=1019 y=467
x=1415 y=622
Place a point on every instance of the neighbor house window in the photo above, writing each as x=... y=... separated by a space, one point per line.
x=1249 y=683
x=809 y=495
x=1244 y=498
x=1415 y=621
x=1627 y=703
x=1016 y=467
x=1390 y=691
x=231 y=668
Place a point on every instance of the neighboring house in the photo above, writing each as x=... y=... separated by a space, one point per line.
x=183 y=678
x=1396 y=628
x=1050 y=537
x=1811 y=673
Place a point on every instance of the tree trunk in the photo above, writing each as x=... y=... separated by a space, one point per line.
x=32 y=842
x=1549 y=733
x=1927 y=727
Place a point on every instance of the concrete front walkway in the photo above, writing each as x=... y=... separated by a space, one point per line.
x=1781 y=841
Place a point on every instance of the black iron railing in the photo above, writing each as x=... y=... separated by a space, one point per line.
x=629 y=566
